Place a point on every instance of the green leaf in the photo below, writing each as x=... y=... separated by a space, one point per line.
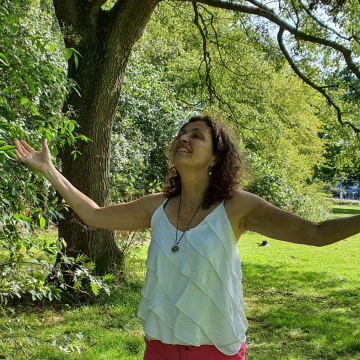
x=7 y=147
x=24 y=101
x=71 y=127
x=3 y=59
x=7 y=114
x=42 y=222
x=76 y=60
x=52 y=47
x=54 y=151
x=90 y=265
x=108 y=277
x=31 y=84
x=11 y=154
x=94 y=288
x=77 y=285
x=68 y=54
x=13 y=29
x=17 y=216
x=25 y=218
x=76 y=52
x=80 y=257
x=39 y=276
x=39 y=118
x=11 y=227
x=49 y=251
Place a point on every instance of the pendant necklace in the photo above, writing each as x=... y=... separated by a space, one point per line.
x=175 y=247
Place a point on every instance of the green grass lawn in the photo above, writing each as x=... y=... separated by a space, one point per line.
x=301 y=302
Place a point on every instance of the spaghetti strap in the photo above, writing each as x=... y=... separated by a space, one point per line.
x=165 y=203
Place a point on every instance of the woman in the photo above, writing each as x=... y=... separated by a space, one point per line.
x=192 y=303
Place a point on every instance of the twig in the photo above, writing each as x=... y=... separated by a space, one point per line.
x=321 y=23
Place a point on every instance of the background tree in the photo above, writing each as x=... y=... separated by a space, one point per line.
x=147 y=117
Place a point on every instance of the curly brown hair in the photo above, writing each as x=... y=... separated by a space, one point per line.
x=225 y=174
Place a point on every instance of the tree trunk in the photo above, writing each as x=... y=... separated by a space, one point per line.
x=106 y=40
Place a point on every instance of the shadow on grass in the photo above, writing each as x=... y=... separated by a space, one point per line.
x=337 y=210
x=307 y=315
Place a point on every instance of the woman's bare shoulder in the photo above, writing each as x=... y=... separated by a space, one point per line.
x=241 y=202
x=242 y=195
x=151 y=202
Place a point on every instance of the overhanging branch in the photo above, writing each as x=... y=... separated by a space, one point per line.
x=262 y=11
x=320 y=89
x=207 y=60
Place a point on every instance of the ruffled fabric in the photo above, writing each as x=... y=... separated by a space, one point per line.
x=194 y=296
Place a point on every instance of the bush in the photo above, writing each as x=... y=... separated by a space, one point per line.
x=271 y=184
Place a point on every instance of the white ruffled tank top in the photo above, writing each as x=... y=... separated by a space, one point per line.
x=194 y=296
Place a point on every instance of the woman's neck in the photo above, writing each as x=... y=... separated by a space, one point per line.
x=193 y=189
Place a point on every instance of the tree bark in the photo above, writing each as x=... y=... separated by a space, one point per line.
x=105 y=40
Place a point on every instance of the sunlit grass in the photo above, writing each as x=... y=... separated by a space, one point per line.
x=302 y=302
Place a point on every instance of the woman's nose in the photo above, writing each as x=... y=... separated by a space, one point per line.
x=183 y=138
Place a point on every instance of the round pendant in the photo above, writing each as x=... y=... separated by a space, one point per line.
x=174 y=248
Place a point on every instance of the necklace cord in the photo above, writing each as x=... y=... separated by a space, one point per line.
x=177 y=224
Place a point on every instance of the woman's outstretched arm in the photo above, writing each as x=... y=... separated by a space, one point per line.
x=130 y=216
x=259 y=216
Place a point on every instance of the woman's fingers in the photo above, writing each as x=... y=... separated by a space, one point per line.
x=27 y=146
x=19 y=156
x=20 y=149
x=44 y=144
x=35 y=159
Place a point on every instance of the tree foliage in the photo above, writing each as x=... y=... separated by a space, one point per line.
x=318 y=39
x=33 y=86
x=147 y=118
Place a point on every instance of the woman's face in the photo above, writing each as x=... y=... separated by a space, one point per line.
x=193 y=147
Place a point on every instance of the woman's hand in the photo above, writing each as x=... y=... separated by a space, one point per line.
x=38 y=160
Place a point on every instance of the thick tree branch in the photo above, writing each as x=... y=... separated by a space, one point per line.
x=262 y=11
x=320 y=89
x=96 y=5
x=126 y=15
x=67 y=12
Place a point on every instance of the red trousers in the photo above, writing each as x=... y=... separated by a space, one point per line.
x=156 y=350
